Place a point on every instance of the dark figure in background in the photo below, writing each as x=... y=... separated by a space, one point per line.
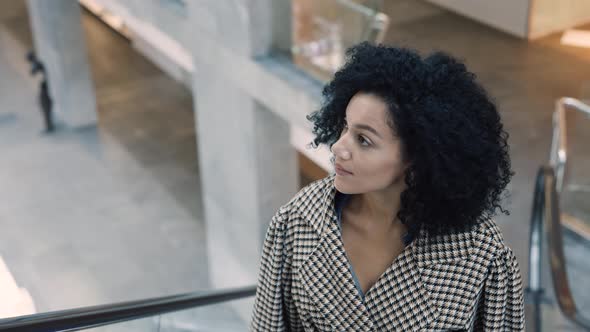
x=44 y=98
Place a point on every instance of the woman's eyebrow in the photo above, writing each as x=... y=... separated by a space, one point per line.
x=368 y=128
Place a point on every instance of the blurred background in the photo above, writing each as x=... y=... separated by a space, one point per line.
x=145 y=145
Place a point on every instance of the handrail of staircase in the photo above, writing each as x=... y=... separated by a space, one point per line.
x=546 y=213
x=88 y=317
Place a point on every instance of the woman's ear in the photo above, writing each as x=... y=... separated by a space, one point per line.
x=406 y=165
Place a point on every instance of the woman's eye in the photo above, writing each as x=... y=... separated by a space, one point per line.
x=363 y=141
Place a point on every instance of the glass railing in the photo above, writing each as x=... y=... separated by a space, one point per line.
x=572 y=122
x=214 y=317
x=324 y=29
x=570 y=157
x=560 y=235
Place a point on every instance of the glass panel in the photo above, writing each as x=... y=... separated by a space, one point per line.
x=552 y=319
x=324 y=29
x=575 y=207
x=229 y=316
x=575 y=197
x=148 y=324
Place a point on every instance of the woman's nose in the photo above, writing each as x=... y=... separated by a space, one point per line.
x=340 y=150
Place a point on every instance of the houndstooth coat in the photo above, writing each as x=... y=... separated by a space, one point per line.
x=465 y=281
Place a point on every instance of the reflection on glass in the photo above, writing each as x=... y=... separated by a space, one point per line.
x=324 y=29
x=575 y=207
x=226 y=316
x=229 y=316
x=148 y=324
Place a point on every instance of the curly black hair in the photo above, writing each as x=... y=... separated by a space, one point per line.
x=450 y=129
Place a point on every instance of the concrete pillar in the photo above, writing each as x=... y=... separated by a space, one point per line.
x=248 y=166
x=59 y=43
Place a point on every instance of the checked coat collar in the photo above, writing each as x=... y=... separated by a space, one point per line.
x=411 y=294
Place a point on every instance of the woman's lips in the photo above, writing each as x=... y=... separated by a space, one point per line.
x=341 y=171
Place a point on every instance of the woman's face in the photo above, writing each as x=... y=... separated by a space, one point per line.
x=368 y=157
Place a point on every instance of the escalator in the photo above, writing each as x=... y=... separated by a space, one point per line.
x=557 y=294
x=557 y=202
x=551 y=236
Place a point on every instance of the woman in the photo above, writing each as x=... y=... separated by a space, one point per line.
x=401 y=237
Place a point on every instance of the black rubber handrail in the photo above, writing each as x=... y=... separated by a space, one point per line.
x=535 y=292
x=546 y=214
x=88 y=317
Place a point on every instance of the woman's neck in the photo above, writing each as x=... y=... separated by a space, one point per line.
x=380 y=207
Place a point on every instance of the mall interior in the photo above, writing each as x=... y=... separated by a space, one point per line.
x=145 y=146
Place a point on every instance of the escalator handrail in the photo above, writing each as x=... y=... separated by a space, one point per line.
x=546 y=208
x=558 y=154
x=88 y=317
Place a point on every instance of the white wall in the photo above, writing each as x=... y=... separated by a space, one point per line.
x=510 y=16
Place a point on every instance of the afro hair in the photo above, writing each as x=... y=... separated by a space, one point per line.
x=450 y=129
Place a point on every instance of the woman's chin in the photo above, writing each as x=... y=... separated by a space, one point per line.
x=341 y=185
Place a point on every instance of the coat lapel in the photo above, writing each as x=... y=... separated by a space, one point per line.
x=326 y=277
x=399 y=299
x=453 y=272
x=408 y=294
x=414 y=293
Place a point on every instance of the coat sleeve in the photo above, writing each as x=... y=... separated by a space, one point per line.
x=269 y=307
x=503 y=301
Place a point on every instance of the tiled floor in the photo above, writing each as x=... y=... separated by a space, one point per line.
x=126 y=222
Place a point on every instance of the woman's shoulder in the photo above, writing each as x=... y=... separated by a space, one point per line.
x=488 y=240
